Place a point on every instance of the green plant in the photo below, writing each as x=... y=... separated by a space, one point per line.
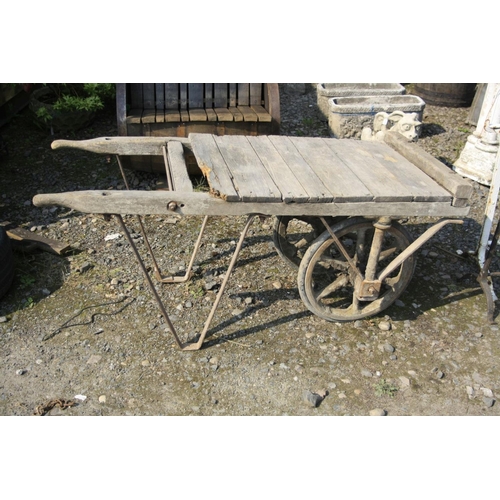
x=384 y=388
x=55 y=99
x=196 y=291
x=27 y=280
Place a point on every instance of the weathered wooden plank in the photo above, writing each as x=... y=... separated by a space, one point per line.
x=160 y=102
x=220 y=95
x=160 y=96
x=121 y=145
x=444 y=176
x=250 y=177
x=172 y=96
x=291 y=189
x=47 y=244
x=211 y=115
x=195 y=96
x=336 y=175
x=136 y=101
x=248 y=114
x=183 y=96
x=383 y=184
x=255 y=94
x=209 y=95
x=121 y=108
x=261 y=112
x=148 y=116
x=148 y=95
x=418 y=183
x=303 y=172
x=223 y=115
x=237 y=116
x=233 y=95
x=197 y=115
x=243 y=94
x=134 y=116
x=197 y=203
x=213 y=166
x=178 y=168
x=172 y=115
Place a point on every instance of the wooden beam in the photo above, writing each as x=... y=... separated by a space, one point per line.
x=198 y=203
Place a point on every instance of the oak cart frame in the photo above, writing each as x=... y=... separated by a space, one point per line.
x=356 y=259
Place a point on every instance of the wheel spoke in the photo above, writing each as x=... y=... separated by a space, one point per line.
x=387 y=253
x=330 y=263
x=341 y=281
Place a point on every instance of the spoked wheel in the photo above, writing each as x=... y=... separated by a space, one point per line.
x=292 y=235
x=326 y=281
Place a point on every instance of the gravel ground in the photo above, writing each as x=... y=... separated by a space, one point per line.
x=81 y=334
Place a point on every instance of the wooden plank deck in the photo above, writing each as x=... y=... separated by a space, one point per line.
x=312 y=170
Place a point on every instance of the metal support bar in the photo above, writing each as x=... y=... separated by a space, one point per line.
x=149 y=281
x=410 y=250
x=158 y=273
x=197 y=345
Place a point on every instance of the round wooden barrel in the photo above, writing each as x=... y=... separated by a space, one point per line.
x=452 y=95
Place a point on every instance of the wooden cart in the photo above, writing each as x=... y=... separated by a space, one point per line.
x=353 y=258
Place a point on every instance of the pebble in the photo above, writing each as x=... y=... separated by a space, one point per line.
x=366 y=373
x=385 y=326
x=378 y=412
x=489 y=402
x=102 y=399
x=405 y=382
x=3 y=319
x=237 y=312
x=487 y=392
x=313 y=399
x=111 y=237
x=277 y=285
x=389 y=348
x=86 y=266
x=20 y=372
x=94 y=359
x=358 y=324
x=248 y=300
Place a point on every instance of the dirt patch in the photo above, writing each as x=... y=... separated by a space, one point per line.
x=83 y=328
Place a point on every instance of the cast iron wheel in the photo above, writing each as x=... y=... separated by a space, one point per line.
x=292 y=235
x=326 y=281
x=6 y=263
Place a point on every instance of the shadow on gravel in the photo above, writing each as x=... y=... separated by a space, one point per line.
x=267 y=298
x=431 y=129
x=36 y=276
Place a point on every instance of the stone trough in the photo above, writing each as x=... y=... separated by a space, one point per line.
x=326 y=91
x=348 y=115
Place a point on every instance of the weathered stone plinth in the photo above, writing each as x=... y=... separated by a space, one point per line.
x=478 y=158
x=348 y=115
x=476 y=161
